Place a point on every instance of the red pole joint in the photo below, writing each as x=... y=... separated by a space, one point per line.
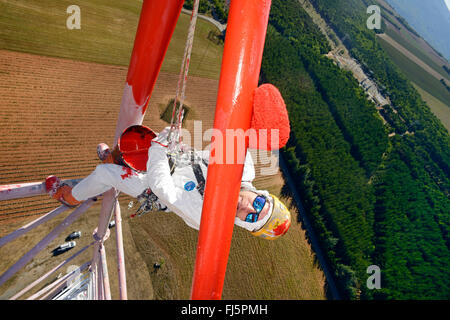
x=241 y=64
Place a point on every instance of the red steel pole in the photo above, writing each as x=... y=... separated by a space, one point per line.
x=241 y=64
x=156 y=25
x=105 y=275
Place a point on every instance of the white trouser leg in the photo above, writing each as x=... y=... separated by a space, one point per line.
x=107 y=176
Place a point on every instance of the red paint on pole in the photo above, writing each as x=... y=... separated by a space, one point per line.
x=156 y=25
x=244 y=44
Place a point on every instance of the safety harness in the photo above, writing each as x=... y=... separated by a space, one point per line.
x=198 y=174
x=150 y=202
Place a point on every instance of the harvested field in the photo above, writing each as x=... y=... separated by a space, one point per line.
x=53 y=114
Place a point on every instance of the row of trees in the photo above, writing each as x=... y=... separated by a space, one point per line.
x=371 y=200
x=348 y=19
x=411 y=228
x=355 y=115
x=332 y=182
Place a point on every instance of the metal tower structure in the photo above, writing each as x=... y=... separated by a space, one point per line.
x=244 y=44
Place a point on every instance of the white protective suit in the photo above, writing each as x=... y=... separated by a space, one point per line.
x=176 y=191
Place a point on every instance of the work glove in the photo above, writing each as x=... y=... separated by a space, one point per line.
x=161 y=138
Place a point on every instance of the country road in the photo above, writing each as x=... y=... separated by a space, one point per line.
x=218 y=25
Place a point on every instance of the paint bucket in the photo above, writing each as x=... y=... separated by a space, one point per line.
x=132 y=147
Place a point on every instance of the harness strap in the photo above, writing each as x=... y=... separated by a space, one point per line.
x=198 y=175
x=175 y=126
x=171 y=165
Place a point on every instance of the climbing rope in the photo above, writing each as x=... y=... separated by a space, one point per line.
x=174 y=136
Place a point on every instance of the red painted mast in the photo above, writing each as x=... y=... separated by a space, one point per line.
x=244 y=44
x=156 y=26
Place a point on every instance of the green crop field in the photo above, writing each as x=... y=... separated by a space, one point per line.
x=404 y=39
x=440 y=109
x=416 y=74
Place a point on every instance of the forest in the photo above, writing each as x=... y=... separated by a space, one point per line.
x=217 y=8
x=372 y=199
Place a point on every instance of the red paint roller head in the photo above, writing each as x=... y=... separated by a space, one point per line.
x=269 y=112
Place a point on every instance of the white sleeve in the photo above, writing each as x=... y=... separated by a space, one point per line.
x=248 y=174
x=158 y=172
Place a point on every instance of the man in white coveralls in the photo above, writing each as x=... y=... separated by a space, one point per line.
x=179 y=190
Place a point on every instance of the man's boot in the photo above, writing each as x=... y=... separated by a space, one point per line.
x=60 y=192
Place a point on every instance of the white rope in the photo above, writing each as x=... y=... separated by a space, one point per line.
x=174 y=137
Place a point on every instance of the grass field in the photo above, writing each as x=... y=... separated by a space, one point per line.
x=416 y=74
x=440 y=109
x=106 y=36
x=404 y=39
x=60 y=109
